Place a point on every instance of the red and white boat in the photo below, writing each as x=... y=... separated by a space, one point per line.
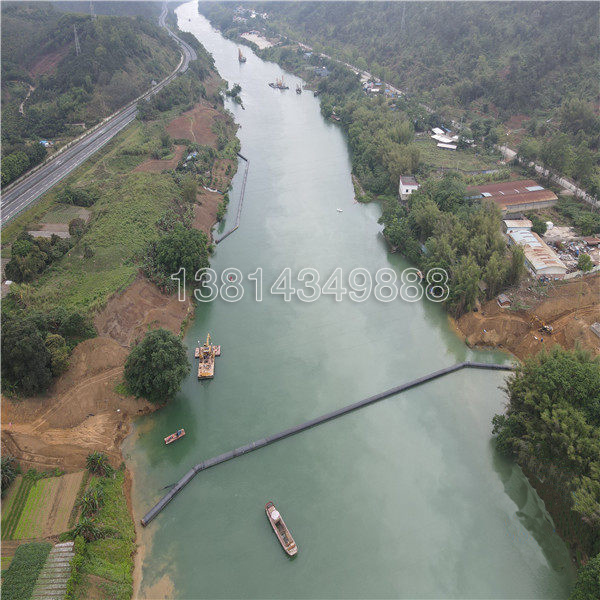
x=174 y=436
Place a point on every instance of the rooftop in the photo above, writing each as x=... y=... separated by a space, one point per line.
x=538 y=254
x=525 y=223
x=408 y=180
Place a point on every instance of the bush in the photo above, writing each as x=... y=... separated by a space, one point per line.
x=77 y=227
x=78 y=196
x=20 y=577
x=156 y=367
x=10 y=469
x=97 y=463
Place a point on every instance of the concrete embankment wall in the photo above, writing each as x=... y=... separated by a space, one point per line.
x=221 y=458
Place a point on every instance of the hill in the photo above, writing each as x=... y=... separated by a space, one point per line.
x=51 y=92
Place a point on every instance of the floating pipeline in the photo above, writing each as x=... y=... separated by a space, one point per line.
x=241 y=203
x=221 y=458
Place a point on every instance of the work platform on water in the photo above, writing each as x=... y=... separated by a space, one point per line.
x=206 y=358
x=221 y=458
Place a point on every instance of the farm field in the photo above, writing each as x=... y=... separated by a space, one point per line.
x=462 y=160
x=41 y=508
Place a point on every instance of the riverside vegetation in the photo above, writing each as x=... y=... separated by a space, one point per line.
x=59 y=285
x=470 y=62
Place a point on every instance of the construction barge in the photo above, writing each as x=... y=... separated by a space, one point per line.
x=279 y=84
x=206 y=355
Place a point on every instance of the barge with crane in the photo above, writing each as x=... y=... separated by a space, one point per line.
x=206 y=356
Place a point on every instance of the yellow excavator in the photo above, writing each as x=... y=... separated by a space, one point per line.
x=542 y=326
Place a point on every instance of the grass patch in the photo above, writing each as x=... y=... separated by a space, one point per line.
x=112 y=558
x=80 y=491
x=462 y=160
x=9 y=523
x=63 y=213
x=123 y=224
x=20 y=577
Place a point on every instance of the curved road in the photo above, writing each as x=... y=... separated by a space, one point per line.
x=20 y=196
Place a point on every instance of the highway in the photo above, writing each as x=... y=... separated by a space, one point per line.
x=22 y=194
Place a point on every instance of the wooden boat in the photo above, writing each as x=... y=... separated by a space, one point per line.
x=206 y=355
x=174 y=436
x=281 y=531
x=241 y=57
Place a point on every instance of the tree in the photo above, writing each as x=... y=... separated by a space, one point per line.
x=557 y=153
x=529 y=150
x=156 y=367
x=97 y=463
x=26 y=362
x=10 y=469
x=588 y=581
x=584 y=263
x=189 y=189
x=182 y=247
x=59 y=353
x=538 y=225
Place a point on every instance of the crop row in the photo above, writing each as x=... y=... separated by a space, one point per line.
x=33 y=511
x=9 y=524
x=80 y=492
x=20 y=577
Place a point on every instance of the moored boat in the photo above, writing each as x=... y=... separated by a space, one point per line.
x=298 y=89
x=241 y=57
x=174 y=436
x=281 y=531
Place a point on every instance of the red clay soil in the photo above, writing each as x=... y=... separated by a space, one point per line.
x=83 y=411
x=205 y=212
x=158 y=166
x=48 y=63
x=570 y=308
x=128 y=315
x=196 y=125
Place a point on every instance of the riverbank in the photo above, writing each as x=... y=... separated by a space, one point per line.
x=568 y=307
x=86 y=408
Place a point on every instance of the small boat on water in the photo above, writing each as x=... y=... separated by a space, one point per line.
x=174 y=436
x=340 y=210
x=241 y=57
x=298 y=89
x=281 y=531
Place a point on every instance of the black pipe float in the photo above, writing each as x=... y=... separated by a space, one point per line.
x=221 y=458
x=239 y=211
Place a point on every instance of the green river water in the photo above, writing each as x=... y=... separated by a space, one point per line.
x=403 y=499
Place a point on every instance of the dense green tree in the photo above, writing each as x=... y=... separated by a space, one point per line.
x=156 y=367
x=9 y=470
x=588 y=581
x=557 y=154
x=88 y=529
x=189 y=189
x=59 y=353
x=182 y=247
x=26 y=362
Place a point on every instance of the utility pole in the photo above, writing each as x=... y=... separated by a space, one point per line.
x=92 y=14
x=77 y=47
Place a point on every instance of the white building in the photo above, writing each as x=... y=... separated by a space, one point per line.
x=540 y=259
x=407 y=186
x=510 y=225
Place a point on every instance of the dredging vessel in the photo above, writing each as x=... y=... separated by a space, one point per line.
x=206 y=356
x=241 y=57
x=279 y=84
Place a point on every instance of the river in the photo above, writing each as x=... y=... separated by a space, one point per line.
x=406 y=498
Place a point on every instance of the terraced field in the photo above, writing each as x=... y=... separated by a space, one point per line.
x=41 y=508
